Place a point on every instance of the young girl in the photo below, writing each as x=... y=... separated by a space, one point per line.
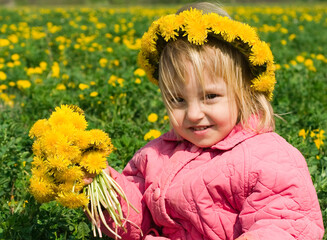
x=221 y=173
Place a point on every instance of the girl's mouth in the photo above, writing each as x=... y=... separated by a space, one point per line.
x=200 y=128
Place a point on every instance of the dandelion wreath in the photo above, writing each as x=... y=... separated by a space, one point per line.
x=64 y=154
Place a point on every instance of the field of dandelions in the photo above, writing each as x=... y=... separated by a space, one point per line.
x=87 y=57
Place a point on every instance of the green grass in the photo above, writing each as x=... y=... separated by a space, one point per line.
x=77 y=44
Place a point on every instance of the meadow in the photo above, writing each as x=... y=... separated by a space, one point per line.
x=88 y=57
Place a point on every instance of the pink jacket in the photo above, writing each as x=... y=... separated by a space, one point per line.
x=248 y=186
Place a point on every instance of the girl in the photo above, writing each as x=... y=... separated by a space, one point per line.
x=221 y=173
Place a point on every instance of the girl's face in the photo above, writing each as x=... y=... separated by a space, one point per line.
x=203 y=115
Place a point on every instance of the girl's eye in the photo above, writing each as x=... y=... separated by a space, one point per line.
x=211 y=96
x=176 y=100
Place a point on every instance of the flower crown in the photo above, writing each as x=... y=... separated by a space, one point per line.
x=197 y=26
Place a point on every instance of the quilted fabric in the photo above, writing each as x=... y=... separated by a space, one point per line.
x=248 y=186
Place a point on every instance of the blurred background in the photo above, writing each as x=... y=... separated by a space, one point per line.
x=12 y=3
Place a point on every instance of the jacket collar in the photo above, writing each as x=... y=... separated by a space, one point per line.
x=237 y=135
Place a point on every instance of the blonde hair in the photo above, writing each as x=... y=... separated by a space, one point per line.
x=206 y=7
x=219 y=59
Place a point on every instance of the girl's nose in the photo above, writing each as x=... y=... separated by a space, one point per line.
x=194 y=112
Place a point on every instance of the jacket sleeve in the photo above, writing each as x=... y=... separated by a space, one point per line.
x=281 y=200
x=132 y=182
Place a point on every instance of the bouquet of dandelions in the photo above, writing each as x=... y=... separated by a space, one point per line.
x=64 y=154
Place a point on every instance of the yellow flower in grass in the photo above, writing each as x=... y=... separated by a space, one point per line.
x=152 y=134
x=302 y=133
x=300 y=59
x=103 y=62
x=39 y=128
x=3 y=76
x=41 y=189
x=83 y=86
x=94 y=94
x=15 y=57
x=93 y=162
x=4 y=42
x=43 y=65
x=308 y=62
x=23 y=84
x=61 y=87
x=139 y=72
x=72 y=199
x=319 y=139
x=153 y=117
x=55 y=70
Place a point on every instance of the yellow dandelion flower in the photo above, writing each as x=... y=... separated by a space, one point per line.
x=51 y=141
x=153 y=117
x=93 y=162
x=37 y=147
x=94 y=94
x=318 y=142
x=67 y=151
x=169 y=27
x=261 y=53
x=70 y=186
x=70 y=174
x=57 y=163
x=55 y=70
x=300 y=59
x=61 y=116
x=82 y=139
x=152 y=134
x=139 y=72
x=41 y=189
x=69 y=130
x=100 y=141
x=23 y=84
x=308 y=63
x=61 y=87
x=37 y=161
x=138 y=81
x=83 y=86
x=72 y=199
x=103 y=62
x=302 y=133
x=43 y=65
x=263 y=83
x=40 y=171
x=149 y=38
x=65 y=115
x=195 y=27
x=39 y=128
x=3 y=76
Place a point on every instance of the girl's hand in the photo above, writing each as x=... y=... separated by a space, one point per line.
x=88 y=178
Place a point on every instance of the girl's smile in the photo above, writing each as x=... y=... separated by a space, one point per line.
x=203 y=115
